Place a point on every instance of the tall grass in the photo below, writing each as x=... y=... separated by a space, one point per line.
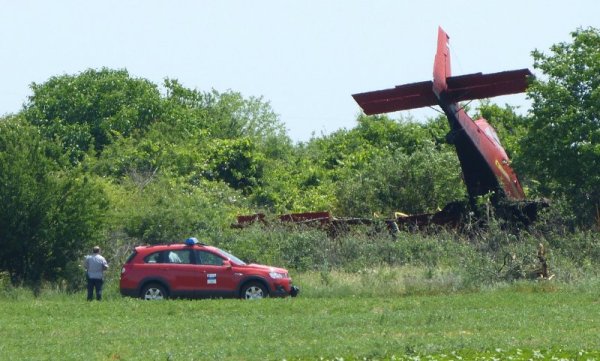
x=464 y=260
x=378 y=282
x=434 y=260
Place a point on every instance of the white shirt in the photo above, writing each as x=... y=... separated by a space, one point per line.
x=95 y=266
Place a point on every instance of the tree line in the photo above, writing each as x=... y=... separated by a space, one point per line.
x=102 y=157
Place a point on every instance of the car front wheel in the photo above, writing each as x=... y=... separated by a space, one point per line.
x=154 y=292
x=254 y=291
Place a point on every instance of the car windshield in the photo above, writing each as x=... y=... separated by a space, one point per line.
x=232 y=257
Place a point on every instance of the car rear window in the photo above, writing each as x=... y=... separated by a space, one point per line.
x=131 y=256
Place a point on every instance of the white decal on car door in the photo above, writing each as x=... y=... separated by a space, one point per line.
x=211 y=278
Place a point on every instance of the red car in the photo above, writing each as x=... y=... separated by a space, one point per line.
x=196 y=270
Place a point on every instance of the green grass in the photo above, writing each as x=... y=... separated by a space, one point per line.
x=528 y=320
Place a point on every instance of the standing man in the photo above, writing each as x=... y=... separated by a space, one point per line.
x=95 y=265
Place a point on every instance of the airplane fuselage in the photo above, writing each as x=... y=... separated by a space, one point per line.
x=484 y=162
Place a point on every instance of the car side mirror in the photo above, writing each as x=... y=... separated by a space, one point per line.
x=227 y=264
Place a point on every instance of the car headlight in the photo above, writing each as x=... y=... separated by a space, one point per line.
x=277 y=275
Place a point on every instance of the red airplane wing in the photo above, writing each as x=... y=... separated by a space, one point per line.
x=479 y=86
x=460 y=88
x=409 y=96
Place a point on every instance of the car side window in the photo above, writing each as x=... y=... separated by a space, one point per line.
x=174 y=256
x=178 y=256
x=208 y=258
x=152 y=258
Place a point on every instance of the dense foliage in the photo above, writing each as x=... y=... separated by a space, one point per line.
x=562 y=146
x=48 y=214
x=104 y=157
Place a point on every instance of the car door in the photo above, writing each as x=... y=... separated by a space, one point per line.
x=217 y=279
x=178 y=268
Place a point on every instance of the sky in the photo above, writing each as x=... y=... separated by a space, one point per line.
x=305 y=58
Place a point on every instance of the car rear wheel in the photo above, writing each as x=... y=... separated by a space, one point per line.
x=154 y=292
x=254 y=291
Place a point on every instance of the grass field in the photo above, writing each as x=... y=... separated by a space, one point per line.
x=520 y=321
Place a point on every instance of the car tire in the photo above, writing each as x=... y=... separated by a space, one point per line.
x=154 y=292
x=254 y=291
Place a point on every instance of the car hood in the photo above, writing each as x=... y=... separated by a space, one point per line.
x=264 y=268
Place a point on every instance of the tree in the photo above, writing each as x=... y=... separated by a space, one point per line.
x=169 y=209
x=388 y=134
x=423 y=181
x=562 y=147
x=382 y=165
x=89 y=110
x=48 y=215
x=226 y=115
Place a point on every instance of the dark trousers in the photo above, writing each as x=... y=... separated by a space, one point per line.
x=94 y=283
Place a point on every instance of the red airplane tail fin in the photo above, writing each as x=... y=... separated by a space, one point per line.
x=472 y=86
x=451 y=88
x=441 y=66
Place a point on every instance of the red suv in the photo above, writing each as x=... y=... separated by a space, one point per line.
x=196 y=270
